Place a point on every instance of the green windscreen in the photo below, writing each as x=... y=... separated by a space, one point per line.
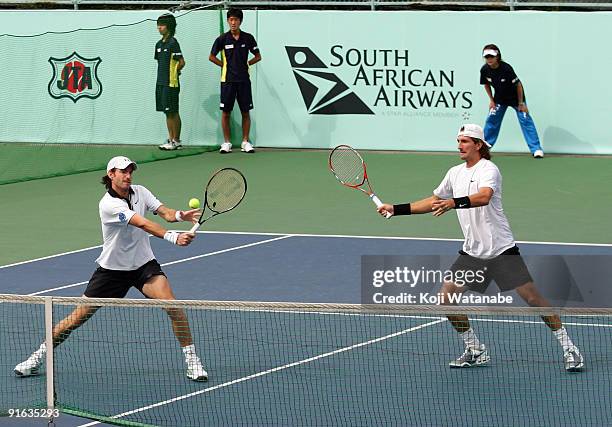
x=23 y=161
x=86 y=91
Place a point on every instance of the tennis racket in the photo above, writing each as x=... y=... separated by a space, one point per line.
x=224 y=191
x=348 y=167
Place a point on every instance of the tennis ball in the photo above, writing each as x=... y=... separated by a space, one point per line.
x=194 y=203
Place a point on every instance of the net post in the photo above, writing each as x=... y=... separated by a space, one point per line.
x=49 y=359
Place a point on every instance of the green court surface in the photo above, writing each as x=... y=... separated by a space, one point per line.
x=557 y=199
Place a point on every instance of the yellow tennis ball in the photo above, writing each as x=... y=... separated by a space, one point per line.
x=194 y=203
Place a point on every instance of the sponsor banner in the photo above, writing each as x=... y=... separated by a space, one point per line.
x=408 y=80
x=75 y=84
x=374 y=80
x=562 y=280
x=75 y=77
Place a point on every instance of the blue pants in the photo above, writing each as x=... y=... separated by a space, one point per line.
x=494 y=121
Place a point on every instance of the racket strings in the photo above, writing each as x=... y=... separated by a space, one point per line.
x=347 y=165
x=225 y=190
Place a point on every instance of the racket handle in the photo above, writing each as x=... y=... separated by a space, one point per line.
x=378 y=204
x=195 y=227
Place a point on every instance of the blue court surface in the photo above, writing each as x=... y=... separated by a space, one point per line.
x=308 y=368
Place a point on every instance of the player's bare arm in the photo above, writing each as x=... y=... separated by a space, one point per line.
x=418 y=207
x=170 y=215
x=482 y=198
x=183 y=239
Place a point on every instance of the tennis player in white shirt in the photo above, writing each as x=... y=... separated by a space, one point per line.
x=127 y=260
x=474 y=190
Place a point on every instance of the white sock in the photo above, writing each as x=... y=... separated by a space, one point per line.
x=42 y=349
x=40 y=353
x=563 y=337
x=470 y=339
x=189 y=351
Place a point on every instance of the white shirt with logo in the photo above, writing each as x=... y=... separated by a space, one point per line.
x=486 y=229
x=125 y=247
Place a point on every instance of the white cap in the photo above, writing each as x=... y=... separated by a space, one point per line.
x=119 y=162
x=488 y=52
x=473 y=131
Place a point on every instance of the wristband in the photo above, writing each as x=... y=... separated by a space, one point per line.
x=462 y=202
x=171 y=236
x=403 y=209
x=179 y=216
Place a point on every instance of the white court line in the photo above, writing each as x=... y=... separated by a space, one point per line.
x=270 y=371
x=426 y=239
x=340 y=236
x=235 y=248
x=50 y=256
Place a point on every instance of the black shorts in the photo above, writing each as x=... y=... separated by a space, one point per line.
x=241 y=91
x=508 y=269
x=167 y=99
x=116 y=283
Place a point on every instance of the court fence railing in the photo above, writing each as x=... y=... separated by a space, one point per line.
x=341 y=4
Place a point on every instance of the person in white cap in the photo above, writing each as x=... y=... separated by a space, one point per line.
x=127 y=260
x=509 y=92
x=474 y=190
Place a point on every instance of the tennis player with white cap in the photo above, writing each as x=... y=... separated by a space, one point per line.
x=127 y=260
x=474 y=190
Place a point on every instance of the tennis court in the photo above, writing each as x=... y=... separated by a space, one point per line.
x=307 y=365
x=299 y=237
x=277 y=291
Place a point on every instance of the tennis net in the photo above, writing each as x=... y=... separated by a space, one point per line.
x=306 y=364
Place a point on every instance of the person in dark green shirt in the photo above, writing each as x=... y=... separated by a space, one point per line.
x=170 y=62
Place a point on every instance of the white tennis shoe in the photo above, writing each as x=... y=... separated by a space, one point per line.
x=32 y=365
x=171 y=145
x=574 y=362
x=195 y=370
x=247 y=147
x=471 y=357
x=226 y=147
x=538 y=154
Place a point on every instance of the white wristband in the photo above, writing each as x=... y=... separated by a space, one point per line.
x=179 y=216
x=171 y=236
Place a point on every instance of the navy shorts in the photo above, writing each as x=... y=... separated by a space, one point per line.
x=241 y=91
x=116 y=283
x=508 y=269
x=167 y=99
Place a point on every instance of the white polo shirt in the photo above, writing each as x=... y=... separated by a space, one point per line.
x=485 y=228
x=125 y=247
